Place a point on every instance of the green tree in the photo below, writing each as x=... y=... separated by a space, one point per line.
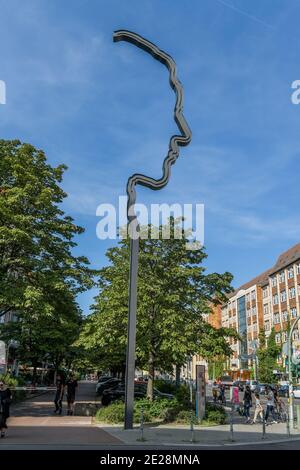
x=36 y=237
x=39 y=274
x=174 y=294
x=267 y=354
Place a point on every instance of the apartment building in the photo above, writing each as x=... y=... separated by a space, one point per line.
x=189 y=370
x=271 y=299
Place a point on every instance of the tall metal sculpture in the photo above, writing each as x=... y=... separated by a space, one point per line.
x=175 y=141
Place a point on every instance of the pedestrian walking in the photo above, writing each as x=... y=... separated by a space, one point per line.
x=5 y=401
x=71 y=385
x=247 y=403
x=270 y=406
x=60 y=387
x=215 y=391
x=259 y=411
x=235 y=400
x=222 y=398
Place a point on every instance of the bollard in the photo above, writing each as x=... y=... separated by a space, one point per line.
x=231 y=425
x=142 y=426
x=264 y=428
x=192 y=428
x=288 y=428
x=298 y=417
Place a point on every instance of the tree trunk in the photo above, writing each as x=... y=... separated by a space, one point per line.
x=177 y=375
x=150 y=384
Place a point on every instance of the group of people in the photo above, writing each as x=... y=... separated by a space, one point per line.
x=70 y=386
x=218 y=392
x=275 y=406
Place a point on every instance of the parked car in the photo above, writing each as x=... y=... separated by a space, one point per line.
x=260 y=388
x=104 y=378
x=226 y=380
x=140 y=391
x=296 y=391
x=283 y=391
x=110 y=383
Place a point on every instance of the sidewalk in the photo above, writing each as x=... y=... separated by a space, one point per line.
x=207 y=436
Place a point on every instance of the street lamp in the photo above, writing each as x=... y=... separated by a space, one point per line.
x=133 y=227
x=291 y=393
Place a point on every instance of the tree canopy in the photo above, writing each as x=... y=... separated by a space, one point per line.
x=39 y=274
x=174 y=296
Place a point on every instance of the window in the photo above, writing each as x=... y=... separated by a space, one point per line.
x=249 y=313
x=273 y=281
x=284 y=336
x=253 y=295
x=255 y=327
x=282 y=277
x=248 y=298
x=275 y=299
x=290 y=273
x=253 y=310
x=285 y=316
x=283 y=296
x=295 y=334
x=277 y=338
x=292 y=292
x=293 y=312
x=265 y=292
x=267 y=325
x=276 y=318
x=298 y=268
x=266 y=309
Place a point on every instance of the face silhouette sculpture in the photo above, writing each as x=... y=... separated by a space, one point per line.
x=176 y=140
x=182 y=139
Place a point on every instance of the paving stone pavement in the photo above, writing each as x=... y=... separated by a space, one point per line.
x=33 y=422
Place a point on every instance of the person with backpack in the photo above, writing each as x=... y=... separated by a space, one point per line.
x=222 y=398
x=247 y=403
x=270 y=406
x=71 y=385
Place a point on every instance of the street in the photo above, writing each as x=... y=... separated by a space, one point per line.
x=33 y=425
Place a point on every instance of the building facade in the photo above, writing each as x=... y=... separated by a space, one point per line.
x=272 y=299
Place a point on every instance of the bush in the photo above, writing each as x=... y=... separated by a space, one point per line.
x=157 y=410
x=164 y=410
x=214 y=414
x=113 y=413
x=183 y=396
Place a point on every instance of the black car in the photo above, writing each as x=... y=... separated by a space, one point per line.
x=140 y=391
x=283 y=391
x=110 y=383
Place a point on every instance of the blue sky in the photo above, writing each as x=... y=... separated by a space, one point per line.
x=105 y=110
